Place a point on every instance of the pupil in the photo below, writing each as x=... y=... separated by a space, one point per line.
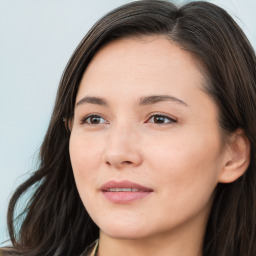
x=159 y=119
x=95 y=120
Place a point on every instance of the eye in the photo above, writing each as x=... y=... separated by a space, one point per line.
x=161 y=119
x=94 y=119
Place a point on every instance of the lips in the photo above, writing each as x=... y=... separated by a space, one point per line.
x=124 y=191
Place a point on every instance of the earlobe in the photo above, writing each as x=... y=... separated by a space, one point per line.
x=237 y=158
x=68 y=122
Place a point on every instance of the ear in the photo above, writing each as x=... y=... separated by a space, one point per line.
x=236 y=158
x=68 y=122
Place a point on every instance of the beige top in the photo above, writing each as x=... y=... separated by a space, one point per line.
x=89 y=251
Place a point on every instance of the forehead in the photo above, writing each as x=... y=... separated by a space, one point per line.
x=147 y=51
x=139 y=65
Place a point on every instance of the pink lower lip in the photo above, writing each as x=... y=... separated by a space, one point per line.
x=125 y=197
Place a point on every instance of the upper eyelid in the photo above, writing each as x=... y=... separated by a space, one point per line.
x=164 y=115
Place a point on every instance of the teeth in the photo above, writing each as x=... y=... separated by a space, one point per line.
x=123 y=190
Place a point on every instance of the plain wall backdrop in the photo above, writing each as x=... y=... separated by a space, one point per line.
x=36 y=40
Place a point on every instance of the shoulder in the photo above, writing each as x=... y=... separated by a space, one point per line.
x=7 y=252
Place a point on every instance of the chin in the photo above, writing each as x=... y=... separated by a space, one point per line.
x=124 y=231
x=124 y=235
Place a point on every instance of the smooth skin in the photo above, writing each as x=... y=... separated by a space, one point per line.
x=170 y=143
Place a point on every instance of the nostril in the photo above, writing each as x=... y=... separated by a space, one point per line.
x=121 y=163
x=127 y=162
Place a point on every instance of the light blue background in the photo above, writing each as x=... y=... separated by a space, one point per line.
x=36 y=40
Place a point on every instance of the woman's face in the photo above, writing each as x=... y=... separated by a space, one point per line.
x=145 y=144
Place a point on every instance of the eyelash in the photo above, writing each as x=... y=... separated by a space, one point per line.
x=155 y=115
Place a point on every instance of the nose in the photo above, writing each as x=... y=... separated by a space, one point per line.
x=122 y=148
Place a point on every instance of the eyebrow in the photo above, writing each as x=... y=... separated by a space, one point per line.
x=159 y=98
x=148 y=100
x=92 y=100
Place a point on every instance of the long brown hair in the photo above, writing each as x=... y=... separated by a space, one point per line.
x=54 y=220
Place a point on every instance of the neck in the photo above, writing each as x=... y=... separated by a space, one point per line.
x=179 y=242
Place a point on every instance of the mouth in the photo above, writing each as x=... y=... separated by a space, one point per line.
x=124 y=192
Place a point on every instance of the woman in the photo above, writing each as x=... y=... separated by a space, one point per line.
x=151 y=145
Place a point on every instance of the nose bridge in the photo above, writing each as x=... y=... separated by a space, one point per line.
x=121 y=148
x=122 y=131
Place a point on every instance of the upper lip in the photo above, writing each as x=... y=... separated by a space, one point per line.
x=123 y=184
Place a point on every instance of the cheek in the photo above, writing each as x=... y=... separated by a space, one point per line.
x=85 y=155
x=187 y=168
